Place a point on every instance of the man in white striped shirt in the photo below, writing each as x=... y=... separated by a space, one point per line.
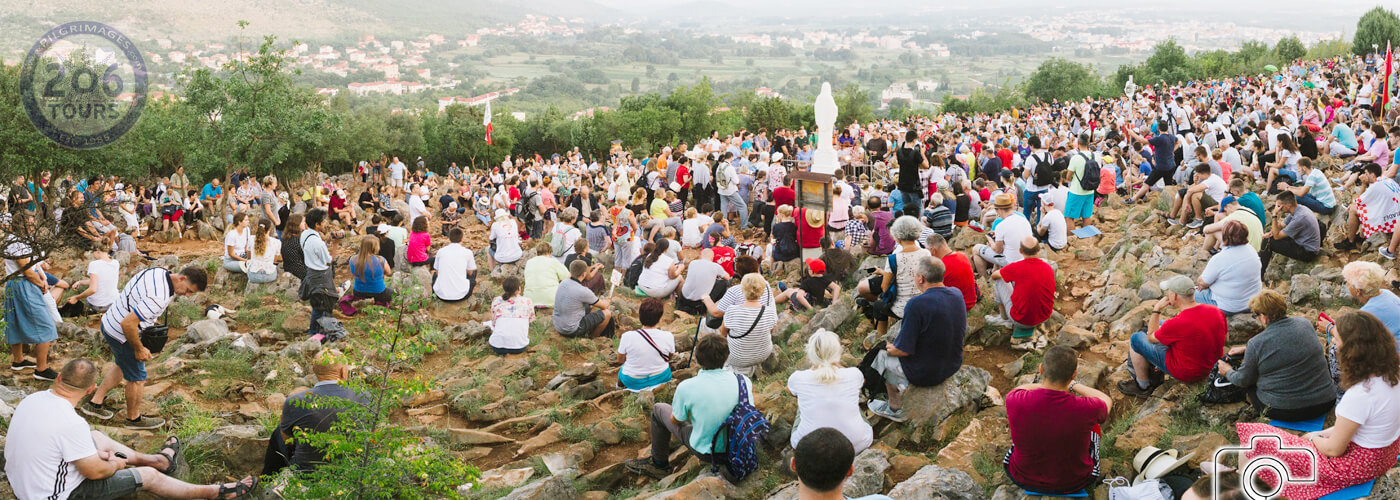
x=140 y=306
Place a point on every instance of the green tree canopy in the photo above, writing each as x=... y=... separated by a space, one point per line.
x=1290 y=49
x=1061 y=79
x=1376 y=27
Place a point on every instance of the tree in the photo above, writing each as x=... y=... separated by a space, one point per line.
x=1061 y=79
x=695 y=104
x=253 y=117
x=853 y=104
x=1290 y=49
x=1376 y=27
x=636 y=85
x=1168 y=63
x=770 y=112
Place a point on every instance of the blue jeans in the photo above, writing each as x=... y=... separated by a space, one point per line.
x=1206 y=297
x=1317 y=207
x=735 y=203
x=1031 y=204
x=1156 y=354
x=316 y=315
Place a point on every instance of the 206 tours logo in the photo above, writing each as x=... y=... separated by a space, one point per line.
x=83 y=84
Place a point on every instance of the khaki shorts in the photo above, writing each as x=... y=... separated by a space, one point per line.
x=891 y=369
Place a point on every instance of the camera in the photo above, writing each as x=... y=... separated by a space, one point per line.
x=1270 y=460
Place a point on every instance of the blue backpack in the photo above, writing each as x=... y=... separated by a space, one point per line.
x=746 y=427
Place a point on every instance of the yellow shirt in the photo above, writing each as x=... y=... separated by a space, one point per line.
x=1251 y=222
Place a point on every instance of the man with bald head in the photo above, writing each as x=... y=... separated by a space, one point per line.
x=51 y=452
x=313 y=410
x=1026 y=292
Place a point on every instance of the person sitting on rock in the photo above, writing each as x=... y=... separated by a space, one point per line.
x=812 y=290
x=1025 y=290
x=1231 y=276
x=1240 y=207
x=51 y=452
x=543 y=274
x=1296 y=234
x=1362 y=444
x=310 y=411
x=828 y=395
x=1284 y=370
x=368 y=271
x=703 y=278
x=1367 y=283
x=511 y=315
x=454 y=269
x=573 y=301
x=957 y=269
x=1185 y=346
x=645 y=353
x=929 y=346
x=697 y=411
x=661 y=274
x=1055 y=428
x=1372 y=210
x=593 y=279
x=900 y=278
x=262 y=265
x=823 y=460
x=749 y=326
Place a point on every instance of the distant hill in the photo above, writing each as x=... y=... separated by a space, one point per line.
x=184 y=20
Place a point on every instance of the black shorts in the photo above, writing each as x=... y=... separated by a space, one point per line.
x=587 y=324
x=1160 y=175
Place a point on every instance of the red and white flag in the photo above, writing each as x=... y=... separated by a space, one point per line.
x=1385 y=87
x=487 y=122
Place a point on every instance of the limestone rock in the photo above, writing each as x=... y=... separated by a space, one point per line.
x=936 y=483
x=506 y=478
x=476 y=437
x=606 y=432
x=1150 y=290
x=550 y=488
x=929 y=406
x=206 y=330
x=1302 y=288
x=869 y=476
x=702 y=488
x=1203 y=445
x=245 y=343
x=1075 y=337
x=239 y=447
x=1242 y=327
x=551 y=435
x=1388 y=486
x=299 y=321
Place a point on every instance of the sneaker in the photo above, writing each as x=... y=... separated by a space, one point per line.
x=47 y=374
x=782 y=287
x=996 y=319
x=1385 y=252
x=1173 y=222
x=1196 y=223
x=1213 y=251
x=645 y=467
x=1130 y=388
x=1345 y=245
x=94 y=410
x=144 y=423
x=883 y=409
x=20 y=366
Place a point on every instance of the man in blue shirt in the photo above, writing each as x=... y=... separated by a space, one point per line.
x=1163 y=159
x=699 y=408
x=929 y=347
x=211 y=192
x=1341 y=140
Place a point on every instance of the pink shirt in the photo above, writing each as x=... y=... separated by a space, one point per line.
x=418 y=247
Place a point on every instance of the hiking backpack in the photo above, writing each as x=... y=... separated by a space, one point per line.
x=747 y=428
x=557 y=242
x=634 y=272
x=1089 y=180
x=522 y=209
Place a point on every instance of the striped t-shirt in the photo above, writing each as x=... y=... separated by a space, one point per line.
x=146 y=295
x=749 y=347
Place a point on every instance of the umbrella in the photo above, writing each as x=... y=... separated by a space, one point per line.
x=1270 y=68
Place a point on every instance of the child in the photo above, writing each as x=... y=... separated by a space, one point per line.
x=812 y=292
x=784 y=244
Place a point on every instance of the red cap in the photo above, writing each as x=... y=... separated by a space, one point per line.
x=817 y=266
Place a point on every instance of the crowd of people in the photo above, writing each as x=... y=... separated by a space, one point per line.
x=715 y=229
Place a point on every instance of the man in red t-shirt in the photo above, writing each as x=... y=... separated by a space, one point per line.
x=783 y=195
x=1055 y=428
x=957 y=269
x=1185 y=347
x=724 y=256
x=1025 y=289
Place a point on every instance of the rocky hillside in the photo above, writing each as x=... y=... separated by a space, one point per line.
x=552 y=424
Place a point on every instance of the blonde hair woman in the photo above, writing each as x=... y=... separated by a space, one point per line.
x=749 y=327
x=828 y=395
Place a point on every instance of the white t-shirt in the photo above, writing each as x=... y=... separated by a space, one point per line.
x=1010 y=231
x=452 y=263
x=700 y=278
x=416 y=208
x=657 y=274
x=266 y=262
x=238 y=239
x=108 y=273
x=571 y=234
x=1059 y=231
x=642 y=360
x=1372 y=403
x=45 y=437
x=507 y=237
x=693 y=230
x=1215 y=187
x=1061 y=196
x=835 y=405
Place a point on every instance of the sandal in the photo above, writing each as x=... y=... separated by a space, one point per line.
x=239 y=489
x=176 y=446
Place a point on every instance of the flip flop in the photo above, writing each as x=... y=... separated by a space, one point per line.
x=175 y=446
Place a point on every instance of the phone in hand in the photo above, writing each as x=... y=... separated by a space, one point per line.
x=1324 y=317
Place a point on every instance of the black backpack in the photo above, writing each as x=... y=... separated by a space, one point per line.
x=634 y=272
x=1090 y=180
x=1218 y=389
x=522 y=209
x=1044 y=173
